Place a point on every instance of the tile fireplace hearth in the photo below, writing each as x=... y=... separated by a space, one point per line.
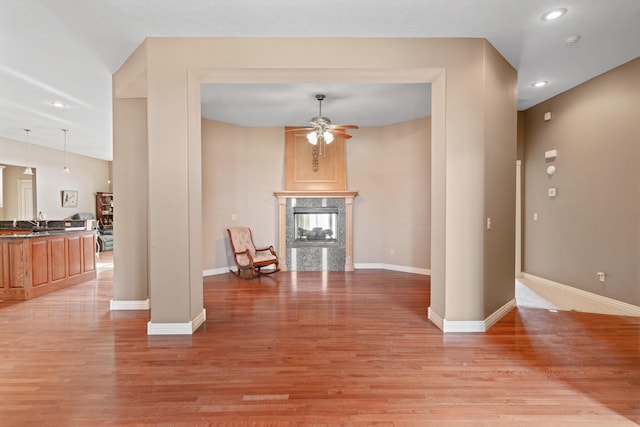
x=316 y=230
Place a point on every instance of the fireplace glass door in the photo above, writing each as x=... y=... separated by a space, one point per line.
x=315 y=226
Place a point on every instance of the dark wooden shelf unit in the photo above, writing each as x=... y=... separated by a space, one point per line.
x=104 y=210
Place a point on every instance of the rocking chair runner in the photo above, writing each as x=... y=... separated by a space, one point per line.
x=247 y=256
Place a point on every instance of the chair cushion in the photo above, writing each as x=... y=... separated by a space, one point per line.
x=241 y=237
x=263 y=256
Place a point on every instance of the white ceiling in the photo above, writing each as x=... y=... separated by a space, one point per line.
x=67 y=50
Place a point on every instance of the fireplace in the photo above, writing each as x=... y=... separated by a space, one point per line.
x=315 y=230
x=315 y=226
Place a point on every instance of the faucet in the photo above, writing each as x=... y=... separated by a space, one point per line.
x=36 y=222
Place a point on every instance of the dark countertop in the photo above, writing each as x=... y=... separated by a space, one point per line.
x=43 y=232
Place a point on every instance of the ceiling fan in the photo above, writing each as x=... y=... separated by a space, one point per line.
x=321 y=129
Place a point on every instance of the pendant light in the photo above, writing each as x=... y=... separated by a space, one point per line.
x=66 y=168
x=28 y=170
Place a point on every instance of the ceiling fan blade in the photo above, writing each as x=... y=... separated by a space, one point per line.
x=294 y=129
x=340 y=133
x=344 y=127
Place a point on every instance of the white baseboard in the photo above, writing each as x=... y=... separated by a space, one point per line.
x=177 y=328
x=128 y=305
x=216 y=271
x=449 y=326
x=499 y=314
x=435 y=318
x=393 y=267
x=363 y=266
x=471 y=325
x=607 y=304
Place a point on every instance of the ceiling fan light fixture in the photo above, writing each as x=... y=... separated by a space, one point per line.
x=320 y=133
x=327 y=136
x=312 y=137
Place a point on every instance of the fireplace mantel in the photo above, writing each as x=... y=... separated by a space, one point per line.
x=316 y=193
x=347 y=195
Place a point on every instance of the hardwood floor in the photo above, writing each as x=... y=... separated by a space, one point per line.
x=311 y=349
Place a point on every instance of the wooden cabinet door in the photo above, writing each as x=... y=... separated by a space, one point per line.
x=89 y=252
x=74 y=255
x=58 y=259
x=40 y=262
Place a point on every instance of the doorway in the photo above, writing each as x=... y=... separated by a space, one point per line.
x=25 y=199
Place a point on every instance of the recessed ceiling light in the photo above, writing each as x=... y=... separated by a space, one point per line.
x=554 y=14
x=540 y=83
x=58 y=104
x=571 y=40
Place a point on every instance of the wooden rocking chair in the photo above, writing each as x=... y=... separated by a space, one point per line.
x=247 y=256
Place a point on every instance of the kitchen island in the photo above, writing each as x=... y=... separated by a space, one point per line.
x=36 y=262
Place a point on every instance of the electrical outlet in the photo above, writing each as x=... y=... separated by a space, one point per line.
x=601 y=275
x=393 y=251
x=488 y=223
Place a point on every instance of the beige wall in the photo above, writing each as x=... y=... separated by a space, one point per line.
x=389 y=166
x=241 y=168
x=594 y=222
x=88 y=175
x=500 y=149
x=131 y=271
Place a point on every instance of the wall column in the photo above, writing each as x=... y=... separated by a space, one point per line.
x=174 y=195
x=130 y=284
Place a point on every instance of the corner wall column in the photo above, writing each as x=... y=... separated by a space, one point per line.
x=175 y=194
x=130 y=252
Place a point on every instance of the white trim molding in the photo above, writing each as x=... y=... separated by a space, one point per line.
x=361 y=266
x=463 y=326
x=605 y=304
x=177 y=328
x=128 y=305
x=216 y=271
x=435 y=318
x=392 y=267
x=499 y=314
x=471 y=325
